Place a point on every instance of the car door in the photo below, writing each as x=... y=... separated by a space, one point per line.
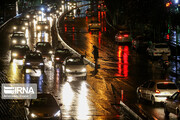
x=143 y=89
x=150 y=90
x=175 y=103
x=171 y=103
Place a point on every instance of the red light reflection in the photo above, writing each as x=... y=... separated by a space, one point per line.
x=65 y=27
x=122 y=55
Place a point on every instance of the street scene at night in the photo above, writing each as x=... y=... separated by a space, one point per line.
x=90 y=59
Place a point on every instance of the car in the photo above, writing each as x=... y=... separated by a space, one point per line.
x=140 y=43
x=74 y=67
x=172 y=105
x=90 y=12
x=94 y=25
x=24 y=22
x=156 y=49
x=69 y=18
x=33 y=61
x=18 y=38
x=42 y=26
x=45 y=49
x=102 y=7
x=19 y=51
x=123 y=36
x=60 y=55
x=156 y=91
x=44 y=107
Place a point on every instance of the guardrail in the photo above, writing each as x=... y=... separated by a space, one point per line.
x=8 y=21
x=62 y=41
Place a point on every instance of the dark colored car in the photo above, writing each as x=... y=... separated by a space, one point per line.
x=34 y=60
x=43 y=26
x=60 y=55
x=44 y=107
x=140 y=43
x=45 y=48
x=19 y=51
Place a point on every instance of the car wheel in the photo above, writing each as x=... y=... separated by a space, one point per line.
x=153 y=100
x=166 y=112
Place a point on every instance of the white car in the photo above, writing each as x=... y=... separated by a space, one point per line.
x=156 y=49
x=157 y=90
x=74 y=67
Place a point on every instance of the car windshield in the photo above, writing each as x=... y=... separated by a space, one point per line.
x=34 y=56
x=18 y=34
x=62 y=51
x=166 y=86
x=20 y=47
x=42 y=22
x=74 y=61
x=47 y=45
x=161 y=46
x=44 y=101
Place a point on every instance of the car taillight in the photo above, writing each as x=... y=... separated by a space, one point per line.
x=90 y=24
x=157 y=91
x=99 y=24
x=98 y=6
x=126 y=35
x=120 y=37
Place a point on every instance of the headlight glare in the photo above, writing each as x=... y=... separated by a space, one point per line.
x=28 y=63
x=14 y=54
x=68 y=70
x=23 y=41
x=14 y=41
x=57 y=114
x=33 y=115
x=41 y=64
x=83 y=70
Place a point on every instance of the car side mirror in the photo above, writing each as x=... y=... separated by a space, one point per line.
x=169 y=97
x=26 y=106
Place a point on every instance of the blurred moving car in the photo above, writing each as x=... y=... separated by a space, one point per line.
x=90 y=12
x=74 y=67
x=19 y=51
x=172 y=105
x=60 y=55
x=44 y=107
x=33 y=60
x=24 y=22
x=140 y=43
x=123 y=37
x=69 y=18
x=157 y=90
x=156 y=49
x=42 y=26
x=18 y=38
x=94 y=25
x=45 y=49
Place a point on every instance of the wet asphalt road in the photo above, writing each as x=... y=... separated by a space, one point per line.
x=120 y=66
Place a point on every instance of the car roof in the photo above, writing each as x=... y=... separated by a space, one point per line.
x=161 y=81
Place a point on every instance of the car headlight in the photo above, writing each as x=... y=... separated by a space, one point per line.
x=41 y=64
x=28 y=63
x=83 y=70
x=14 y=41
x=57 y=58
x=23 y=41
x=46 y=27
x=57 y=114
x=38 y=27
x=50 y=52
x=14 y=28
x=23 y=28
x=27 y=16
x=33 y=115
x=14 y=54
x=68 y=70
x=38 y=51
x=26 y=24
